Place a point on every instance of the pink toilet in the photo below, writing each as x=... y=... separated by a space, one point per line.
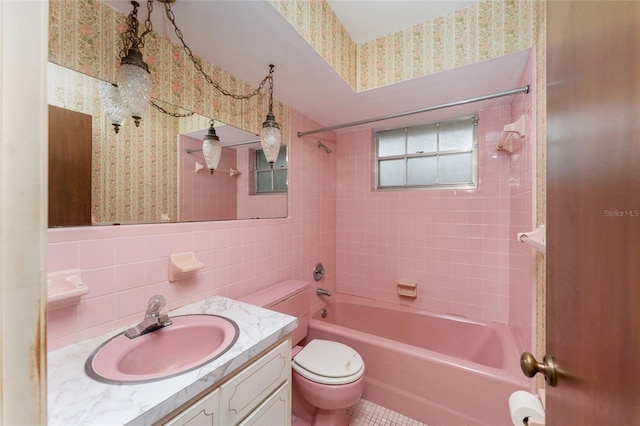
x=328 y=375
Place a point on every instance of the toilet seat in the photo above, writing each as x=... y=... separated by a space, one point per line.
x=327 y=362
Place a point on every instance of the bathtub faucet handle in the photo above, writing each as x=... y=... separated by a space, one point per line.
x=322 y=292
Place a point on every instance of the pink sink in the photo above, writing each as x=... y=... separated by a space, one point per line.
x=190 y=342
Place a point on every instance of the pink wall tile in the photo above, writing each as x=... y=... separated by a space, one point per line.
x=455 y=244
x=123 y=266
x=97 y=253
x=202 y=195
x=62 y=256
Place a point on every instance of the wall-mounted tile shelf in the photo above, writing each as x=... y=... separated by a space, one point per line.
x=64 y=288
x=408 y=289
x=536 y=239
x=513 y=133
x=183 y=265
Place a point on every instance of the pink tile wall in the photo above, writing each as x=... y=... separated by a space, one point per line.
x=253 y=205
x=201 y=195
x=522 y=195
x=454 y=243
x=124 y=265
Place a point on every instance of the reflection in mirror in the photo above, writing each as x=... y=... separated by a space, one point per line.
x=231 y=191
x=144 y=174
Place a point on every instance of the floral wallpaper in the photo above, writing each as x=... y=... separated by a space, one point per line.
x=320 y=27
x=134 y=176
x=485 y=30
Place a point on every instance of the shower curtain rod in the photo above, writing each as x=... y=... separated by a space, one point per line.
x=523 y=89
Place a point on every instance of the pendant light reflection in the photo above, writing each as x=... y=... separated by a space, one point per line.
x=134 y=81
x=270 y=137
x=113 y=105
x=211 y=148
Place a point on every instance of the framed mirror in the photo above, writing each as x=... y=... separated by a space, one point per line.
x=155 y=172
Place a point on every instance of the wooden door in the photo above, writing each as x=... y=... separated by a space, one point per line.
x=69 y=167
x=593 y=212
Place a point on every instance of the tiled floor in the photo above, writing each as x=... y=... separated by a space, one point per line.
x=366 y=413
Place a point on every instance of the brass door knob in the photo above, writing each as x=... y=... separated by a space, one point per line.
x=547 y=367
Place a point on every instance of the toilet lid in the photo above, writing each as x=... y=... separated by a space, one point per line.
x=328 y=362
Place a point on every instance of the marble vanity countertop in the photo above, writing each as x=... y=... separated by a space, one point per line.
x=76 y=399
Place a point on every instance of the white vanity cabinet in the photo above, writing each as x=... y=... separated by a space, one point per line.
x=258 y=394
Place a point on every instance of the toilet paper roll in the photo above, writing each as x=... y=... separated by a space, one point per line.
x=523 y=405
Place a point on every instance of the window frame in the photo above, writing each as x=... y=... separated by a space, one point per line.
x=257 y=171
x=437 y=186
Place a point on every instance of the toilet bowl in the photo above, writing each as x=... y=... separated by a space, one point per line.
x=328 y=375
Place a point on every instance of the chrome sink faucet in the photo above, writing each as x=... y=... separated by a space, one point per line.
x=153 y=319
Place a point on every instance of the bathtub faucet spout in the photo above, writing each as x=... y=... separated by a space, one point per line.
x=322 y=292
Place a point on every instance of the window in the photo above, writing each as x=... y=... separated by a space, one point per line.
x=269 y=180
x=435 y=155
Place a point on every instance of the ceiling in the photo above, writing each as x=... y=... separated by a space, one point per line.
x=244 y=37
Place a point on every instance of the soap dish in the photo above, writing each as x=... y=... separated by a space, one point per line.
x=407 y=289
x=183 y=265
x=64 y=288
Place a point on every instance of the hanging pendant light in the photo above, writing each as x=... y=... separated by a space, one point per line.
x=271 y=138
x=133 y=77
x=112 y=104
x=134 y=81
x=134 y=84
x=211 y=148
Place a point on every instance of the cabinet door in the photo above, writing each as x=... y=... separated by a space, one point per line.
x=276 y=410
x=205 y=412
x=247 y=390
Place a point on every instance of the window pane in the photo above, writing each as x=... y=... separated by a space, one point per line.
x=422 y=171
x=261 y=160
x=391 y=173
x=456 y=168
x=391 y=142
x=456 y=135
x=264 y=181
x=280 y=180
x=282 y=158
x=422 y=139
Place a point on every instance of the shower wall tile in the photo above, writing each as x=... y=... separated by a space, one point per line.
x=454 y=243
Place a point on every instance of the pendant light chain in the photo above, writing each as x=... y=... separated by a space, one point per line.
x=270 y=77
x=196 y=63
x=130 y=38
x=172 y=114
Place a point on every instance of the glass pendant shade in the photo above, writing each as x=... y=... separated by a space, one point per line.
x=211 y=149
x=270 y=139
x=113 y=105
x=134 y=82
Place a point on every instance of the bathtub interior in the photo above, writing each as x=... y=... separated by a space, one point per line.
x=445 y=334
x=461 y=373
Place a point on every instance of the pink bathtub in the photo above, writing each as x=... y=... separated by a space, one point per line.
x=439 y=369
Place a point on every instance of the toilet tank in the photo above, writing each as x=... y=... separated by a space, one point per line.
x=289 y=297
